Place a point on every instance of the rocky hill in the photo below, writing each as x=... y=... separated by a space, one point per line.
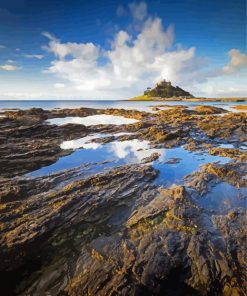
x=165 y=89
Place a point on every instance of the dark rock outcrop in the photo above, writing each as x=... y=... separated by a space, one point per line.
x=117 y=233
x=165 y=89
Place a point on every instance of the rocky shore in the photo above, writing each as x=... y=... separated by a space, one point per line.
x=118 y=232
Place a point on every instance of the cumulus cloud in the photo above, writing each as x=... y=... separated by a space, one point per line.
x=59 y=85
x=222 y=86
x=131 y=64
x=237 y=61
x=136 y=59
x=34 y=56
x=8 y=67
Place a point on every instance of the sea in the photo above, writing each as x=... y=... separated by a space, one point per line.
x=136 y=105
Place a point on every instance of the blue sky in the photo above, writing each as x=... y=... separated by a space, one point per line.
x=115 y=49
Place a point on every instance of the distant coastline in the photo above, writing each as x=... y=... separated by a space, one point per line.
x=148 y=98
x=165 y=91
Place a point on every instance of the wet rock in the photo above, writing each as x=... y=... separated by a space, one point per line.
x=211 y=174
x=127 y=113
x=240 y=107
x=173 y=160
x=26 y=148
x=229 y=152
x=151 y=158
x=159 y=135
x=232 y=126
x=233 y=230
x=167 y=236
x=209 y=110
x=41 y=225
x=116 y=233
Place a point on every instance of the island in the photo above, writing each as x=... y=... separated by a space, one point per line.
x=165 y=91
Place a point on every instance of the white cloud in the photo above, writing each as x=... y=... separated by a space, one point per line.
x=131 y=64
x=8 y=67
x=2 y=46
x=22 y=95
x=237 y=61
x=139 y=56
x=87 y=52
x=59 y=85
x=34 y=56
x=222 y=86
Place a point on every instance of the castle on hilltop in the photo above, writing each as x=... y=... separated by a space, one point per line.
x=165 y=89
x=164 y=83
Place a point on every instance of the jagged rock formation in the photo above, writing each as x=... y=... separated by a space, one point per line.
x=165 y=89
x=117 y=232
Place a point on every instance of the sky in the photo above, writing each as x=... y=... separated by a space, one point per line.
x=112 y=49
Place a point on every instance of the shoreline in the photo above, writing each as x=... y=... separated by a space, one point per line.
x=240 y=99
x=190 y=99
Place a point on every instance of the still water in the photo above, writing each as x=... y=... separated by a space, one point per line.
x=87 y=151
x=93 y=120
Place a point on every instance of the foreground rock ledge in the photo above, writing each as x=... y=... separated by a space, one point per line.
x=116 y=233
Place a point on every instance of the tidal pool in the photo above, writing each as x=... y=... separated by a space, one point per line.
x=115 y=153
x=226 y=146
x=224 y=197
x=118 y=153
x=243 y=146
x=188 y=162
x=93 y=120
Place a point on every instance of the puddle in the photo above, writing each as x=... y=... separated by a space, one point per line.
x=88 y=141
x=122 y=134
x=127 y=152
x=243 y=146
x=223 y=198
x=186 y=162
x=85 y=142
x=93 y=120
x=116 y=153
x=134 y=151
x=226 y=146
x=232 y=109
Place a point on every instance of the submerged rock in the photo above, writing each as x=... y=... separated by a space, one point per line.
x=173 y=160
